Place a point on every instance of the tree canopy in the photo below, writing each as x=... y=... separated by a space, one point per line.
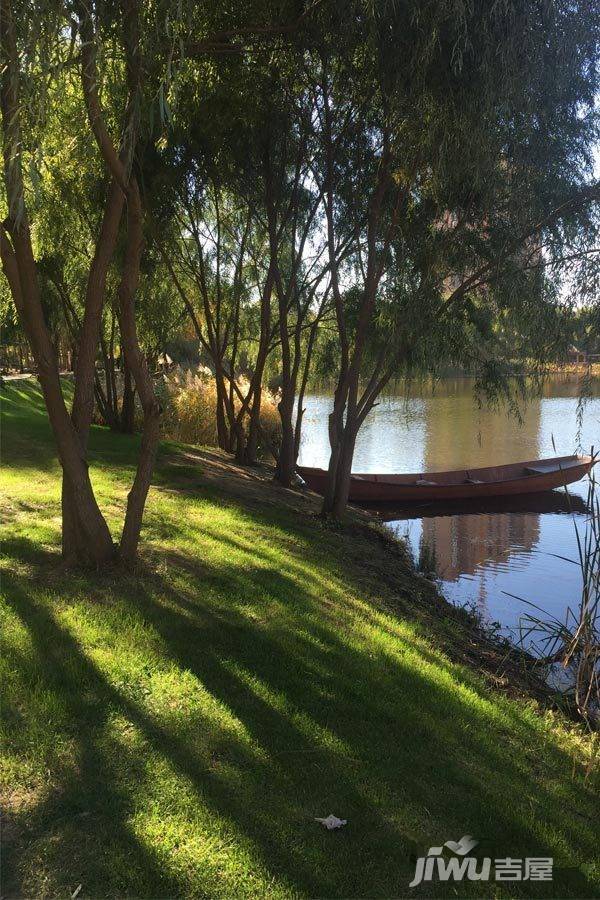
x=356 y=189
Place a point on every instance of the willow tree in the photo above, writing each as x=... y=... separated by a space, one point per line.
x=97 y=56
x=246 y=255
x=211 y=244
x=120 y=60
x=455 y=155
x=36 y=50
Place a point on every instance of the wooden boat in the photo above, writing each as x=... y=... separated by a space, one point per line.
x=530 y=477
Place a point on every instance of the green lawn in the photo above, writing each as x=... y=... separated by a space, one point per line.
x=173 y=731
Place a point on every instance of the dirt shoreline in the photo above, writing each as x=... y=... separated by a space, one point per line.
x=387 y=563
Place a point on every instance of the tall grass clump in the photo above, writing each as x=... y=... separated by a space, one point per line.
x=427 y=561
x=190 y=408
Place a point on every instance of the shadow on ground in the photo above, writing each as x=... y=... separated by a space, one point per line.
x=330 y=726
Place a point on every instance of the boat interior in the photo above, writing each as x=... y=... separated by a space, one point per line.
x=486 y=475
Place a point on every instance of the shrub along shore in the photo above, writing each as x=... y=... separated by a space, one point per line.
x=174 y=730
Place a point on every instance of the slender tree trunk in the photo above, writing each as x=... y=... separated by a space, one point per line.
x=223 y=430
x=83 y=399
x=107 y=396
x=286 y=462
x=84 y=520
x=111 y=376
x=298 y=428
x=136 y=361
x=128 y=404
x=344 y=471
x=301 y=393
x=102 y=403
x=240 y=442
x=251 y=451
x=85 y=365
x=231 y=408
x=336 y=439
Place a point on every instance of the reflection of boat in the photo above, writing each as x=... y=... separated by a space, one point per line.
x=528 y=477
x=535 y=504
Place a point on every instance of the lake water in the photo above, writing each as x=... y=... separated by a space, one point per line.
x=484 y=556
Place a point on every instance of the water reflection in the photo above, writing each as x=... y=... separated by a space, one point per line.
x=483 y=553
x=549 y=502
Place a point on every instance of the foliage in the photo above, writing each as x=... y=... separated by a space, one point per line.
x=586 y=330
x=413 y=180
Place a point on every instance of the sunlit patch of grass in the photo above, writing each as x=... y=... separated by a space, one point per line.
x=174 y=730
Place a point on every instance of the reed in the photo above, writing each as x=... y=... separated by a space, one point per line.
x=427 y=561
x=189 y=400
x=574 y=643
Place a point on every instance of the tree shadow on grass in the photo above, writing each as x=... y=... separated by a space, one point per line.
x=332 y=726
x=83 y=814
x=92 y=789
x=403 y=712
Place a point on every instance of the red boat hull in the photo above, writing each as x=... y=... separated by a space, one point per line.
x=531 y=477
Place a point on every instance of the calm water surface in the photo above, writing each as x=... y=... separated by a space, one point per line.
x=481 y=556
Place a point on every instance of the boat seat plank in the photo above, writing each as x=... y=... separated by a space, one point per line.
x=548 y=468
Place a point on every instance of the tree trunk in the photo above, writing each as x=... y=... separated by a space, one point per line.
x=286 y=462
x=306 y=371
x=87 y=538
x=136 y=362
x=336 y=438
x=128 y=405
x=261 y=359
x=93 y=537
x=83 y=399
x=104 y=404
x=223 y=430
x=240 y=442
x=343 y=472
x=85 y=365
x=254 y=423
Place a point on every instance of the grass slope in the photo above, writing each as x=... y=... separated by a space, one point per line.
x=174 y=731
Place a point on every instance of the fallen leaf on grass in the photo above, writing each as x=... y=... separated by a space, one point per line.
x=331 y=822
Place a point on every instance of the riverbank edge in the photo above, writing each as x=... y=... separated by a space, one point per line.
x=459 y=632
